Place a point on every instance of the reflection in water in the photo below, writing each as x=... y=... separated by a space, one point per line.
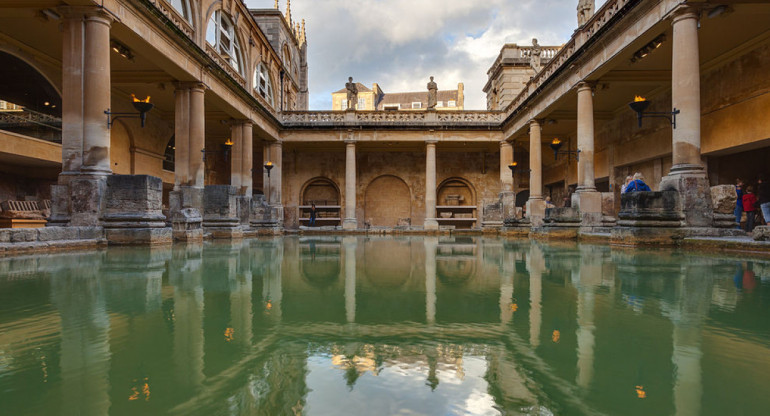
x=359 y=325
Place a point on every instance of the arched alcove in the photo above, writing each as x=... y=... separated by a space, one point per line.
x=320 y=273
x=387 y=263
x=388 y=202
x=325 y=194
x=456 y=203
x=121 y=160
x=169 y=154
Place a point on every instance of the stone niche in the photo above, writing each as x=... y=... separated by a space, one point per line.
x=132 y=213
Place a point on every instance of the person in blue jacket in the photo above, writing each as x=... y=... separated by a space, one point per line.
x=637 y=185
x=738 y=202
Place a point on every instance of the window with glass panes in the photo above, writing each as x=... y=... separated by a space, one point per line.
x=220 y=34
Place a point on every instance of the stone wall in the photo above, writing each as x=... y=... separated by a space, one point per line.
x=395 y=177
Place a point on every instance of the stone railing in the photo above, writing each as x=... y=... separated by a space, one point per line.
x=546 y=52
x=421 y=119
x=174 y=16
x=589 y=29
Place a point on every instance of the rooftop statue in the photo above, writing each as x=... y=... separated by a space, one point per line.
x=585 y=10
x=352 y=94
x=432 y=93
x=534 y=58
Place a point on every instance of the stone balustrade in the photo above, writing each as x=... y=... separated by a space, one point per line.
x=594 y=25
x=546 y=52
x=419 y=119
x=174 y=17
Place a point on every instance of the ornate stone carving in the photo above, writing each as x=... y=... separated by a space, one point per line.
x=585 y=9
x=352 y=93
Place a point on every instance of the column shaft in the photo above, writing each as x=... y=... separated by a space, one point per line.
x=247 y=167
x=96 y=93
x=535 y=161
x=182 y=138
x=585 y=137
x=430 y=186
x=350 y=185
x=685 y=88
x=506 y=158
x=72 y=93
x=236 y=156
x=276 y=152
x=197 y=122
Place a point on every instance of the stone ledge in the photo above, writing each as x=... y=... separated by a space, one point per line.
x=14 y=249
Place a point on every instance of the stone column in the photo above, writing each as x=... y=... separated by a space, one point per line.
x=687 y=176
x=535 y=266
x=350 y=222
x=186 y=201
x=349 y=244
x=506 y=158
x=430 y=186
x=77 y=199
x=586 y=199
x=241 y=167
x=507 y=195
x=535 y=204
x=276 y=153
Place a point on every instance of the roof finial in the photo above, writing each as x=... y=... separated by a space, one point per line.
x=276 y=4
x=304 y=35
x=288 y=12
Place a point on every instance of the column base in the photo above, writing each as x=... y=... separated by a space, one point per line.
x=589 y=203
x=692 y=184
x=138 y=236
x=186 y=205
x=350 y=224
x=430 y=224
x=536 y=212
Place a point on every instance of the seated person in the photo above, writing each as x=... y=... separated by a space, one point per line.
x=637 y=185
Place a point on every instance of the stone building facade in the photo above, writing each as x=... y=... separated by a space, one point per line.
x=229 y=89
x=371 y=99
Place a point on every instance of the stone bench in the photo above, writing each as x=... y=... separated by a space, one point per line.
x=22 y=214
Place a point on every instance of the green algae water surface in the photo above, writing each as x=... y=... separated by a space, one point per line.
x=384 y=326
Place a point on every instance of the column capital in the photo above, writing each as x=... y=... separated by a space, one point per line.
x=535 y=122
x=685 y=12
x=430 y=142
x=190 y=85
x=276 y=144
x=87 y=12
x=350 y=142
x=505 y=143
x=586 y=85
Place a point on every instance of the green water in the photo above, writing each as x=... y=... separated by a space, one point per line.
x=384 y=326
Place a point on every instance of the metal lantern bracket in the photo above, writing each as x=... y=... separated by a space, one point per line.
x=141 y=107
x=225 y=151
x=640 y=106
x=556 y=152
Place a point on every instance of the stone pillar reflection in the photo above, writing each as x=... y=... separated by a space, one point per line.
x=585 y=137
x=431 y=244
x=241 y=314
x=535 y=266
x=535 y=205
x=350 y=222
x=272 y=290
x=685 y=89
x=186 y=276
x=85 y=342
x=431 y=224
x=349 y=244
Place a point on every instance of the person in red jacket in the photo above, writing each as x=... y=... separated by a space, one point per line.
x=749 y=201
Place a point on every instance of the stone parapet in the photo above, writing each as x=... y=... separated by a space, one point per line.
x=397 y=119
x=650 y=209
x=133 y=211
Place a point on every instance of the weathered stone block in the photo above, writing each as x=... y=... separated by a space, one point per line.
x=5 y=235
x=761 y=233
x=694 y=195
x=20 y=235
x=57 y=233
x=134 y=201
x=220 y=212
x=608 y=204
x=724 y=198
x=90 y=233
x=87 y=200
x=244 y=209
x=138 y=236
x=652 y=209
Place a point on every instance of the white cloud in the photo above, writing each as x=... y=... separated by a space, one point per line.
x=400 y=43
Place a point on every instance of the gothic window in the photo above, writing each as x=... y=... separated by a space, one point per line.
x=183 y=7
x=262 y=84
x=220 y=34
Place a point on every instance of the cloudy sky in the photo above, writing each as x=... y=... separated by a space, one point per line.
x=400 y=43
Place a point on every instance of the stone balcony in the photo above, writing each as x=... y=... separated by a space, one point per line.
x=466 y=120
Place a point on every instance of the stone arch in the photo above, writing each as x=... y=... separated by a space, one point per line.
x=53 y=78
x=321 y=191
x=121 y=149
x=320 y=273
x=455 y=271
x=388 y=201
x=456 y=186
